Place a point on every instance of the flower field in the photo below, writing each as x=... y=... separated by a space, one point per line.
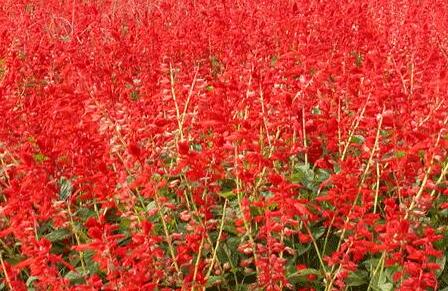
x=223 y=145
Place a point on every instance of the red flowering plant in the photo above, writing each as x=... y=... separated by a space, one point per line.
x=245 y=145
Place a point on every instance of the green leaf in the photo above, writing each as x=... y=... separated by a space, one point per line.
x=227 y=185
x=370 y=264
x=65 y=188
x=266 y=194
x=357 y=139
x=358 y=278
x=85 y=213
x=75 y=277
x=212 y=280
x=400 y=154
x=30 y=281
x=72 y=275
x=300 y=276
x=358 y=58
x=15 y=259
x=322 y=175
x=230 y=229
x=274 y=60
x=233 y=242
x=309 y=271
x=124 y=224
x=383 y=281
x=441 y=262
x=227 y=194
x=386 y=286
x=135 y=96
x=58 y=235
x=151 y=205
x=337 y=168
x=221 y=255
x=39 y=158
x=301 y=249
x=241 y=288
x=302 y=174
x=318 y=232
x=91 y=265
x=316 y=110
x=196 y=147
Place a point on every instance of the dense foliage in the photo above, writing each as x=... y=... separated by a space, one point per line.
x=228 y=145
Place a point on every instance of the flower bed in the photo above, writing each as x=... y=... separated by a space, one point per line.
x=226 y=145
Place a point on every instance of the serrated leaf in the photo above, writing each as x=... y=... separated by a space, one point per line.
x=91 y=265
x=230 y=229
x=357 y=279
x=266 y=194
x=357 y=139
x=124 y=224
x=301 y=249
x=233 y=242
x=441 y=262
x=386 y=286
x=30 y=280
x=337 y=168
x=383 y=281
x=72 y=275
x=322 y=175
x=15 y=259
x=221 y=255
x=316 y=110
x=227 y=185
x=58 y=235
x=301 y=275
x=302 y=174
x=309 y=271
x=318 y=232
x=227 y=194
x=371 y=263
x=151 y=205
x=85 y=213
x=65 y=188
x=400 y=154
x=39 y=157
x=389 y=273
x=75 y=277
x=384 y=132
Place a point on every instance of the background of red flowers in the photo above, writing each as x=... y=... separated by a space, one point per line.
x=232 y=145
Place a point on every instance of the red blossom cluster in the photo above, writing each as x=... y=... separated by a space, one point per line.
x=226 y=145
